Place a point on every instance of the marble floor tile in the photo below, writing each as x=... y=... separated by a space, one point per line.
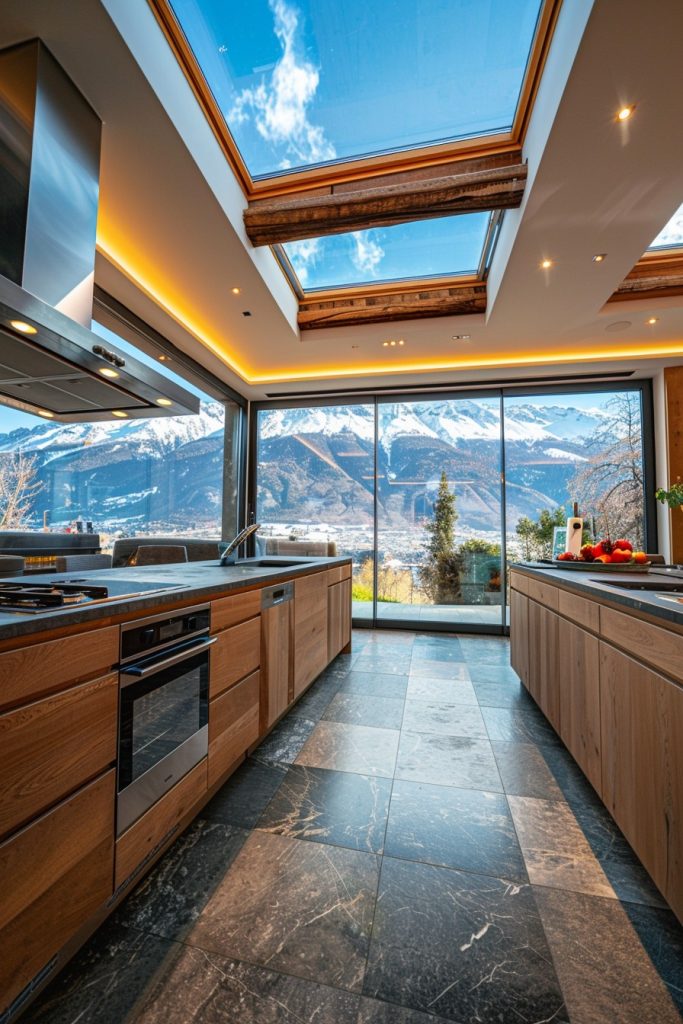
x=375 y=684
x=448 y=651
x=503 y=695
x=510 y=725
x=372 y=1011
x=457 y=828
x=501 y=674
x=605 y=971
x=465 y=947
x=387 y=664
x=524 y=771
x=439 y=669
x=391 y=636
x=444 y=691
x=316 y=699
x=303 y=908
x=341 y=808
x=555 y=849
x=107 y=980
x=282 y=745
x=243 y=797
x=447 y=761
x=215 y=990
x=359 y=709
x=445 y=719
x=175 y=892
x=351 y=748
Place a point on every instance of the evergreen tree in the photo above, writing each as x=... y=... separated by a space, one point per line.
x=440 y=573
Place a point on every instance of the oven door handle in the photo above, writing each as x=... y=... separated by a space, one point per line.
x=137 y=672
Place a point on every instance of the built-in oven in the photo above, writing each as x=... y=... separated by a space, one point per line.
x=163 y=706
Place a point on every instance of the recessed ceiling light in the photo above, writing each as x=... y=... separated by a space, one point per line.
x=236 y=291
x=163 y=359
x=246 y=312
x=107 y=371
x=600 y=257
x=385 y=344
x=618 y=325
x=653 y=320
x=21 y=325
x=625 y=112
x=118 y=412
x=46 y=413
x=546 y=264
x=461 y=337
x=164 y=401
x=401 y=341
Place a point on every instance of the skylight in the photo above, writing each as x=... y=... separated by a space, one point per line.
x=671 y=235
x=307 y=82
x=443 y=247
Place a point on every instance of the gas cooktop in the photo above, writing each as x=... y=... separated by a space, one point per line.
x=33 y=598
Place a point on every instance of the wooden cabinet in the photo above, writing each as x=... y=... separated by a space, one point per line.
x=233 y=725
x=519 y=635
x=544 y=661
x=229 y=611
x=579 y=692
x=642 y=765
x=236 y=653
x=51 y=747
x=310 y=629
x=54 y=875
x=338 y=618
x=277 y=662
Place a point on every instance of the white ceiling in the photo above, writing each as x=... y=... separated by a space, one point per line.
x=171 y=242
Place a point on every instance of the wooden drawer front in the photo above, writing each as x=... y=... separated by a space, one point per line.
x=31 y=672
x=142 y=838
x=545 y=593
x=233 y=725
x=518 y=581
x=236 y=653
x=310 y=629
x=277 y=684
x=228 y=611
x=346 y=572
x=579 y=680
x=578 y=609
x=544 y=661
x=642 y=765
x=659 y=647
x=334 y=575
x=50 y=747
x=54 y=875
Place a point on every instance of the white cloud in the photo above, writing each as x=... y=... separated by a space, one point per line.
x=279 y=106
x=367 y=254
x=302 y=253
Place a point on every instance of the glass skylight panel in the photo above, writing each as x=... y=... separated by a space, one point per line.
x=671 y=235
x=308 y=82
x=443 y=247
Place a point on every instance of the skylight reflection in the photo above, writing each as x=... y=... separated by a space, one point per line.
x=671 y=235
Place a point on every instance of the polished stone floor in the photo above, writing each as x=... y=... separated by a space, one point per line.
x=411 y=845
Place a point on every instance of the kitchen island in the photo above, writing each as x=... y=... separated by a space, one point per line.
x=603 y=659
x=65 y=860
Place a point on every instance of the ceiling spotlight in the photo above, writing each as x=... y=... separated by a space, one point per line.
x=21 y=325
x=118 y=412
x=653 y=320
x=625 y=112
x=599 y=257
x=385 y=344
x=162 y=359
x=546 y=264
x=106 y=371
x=164 y=401
x=392 y=344
x=236 y=291
x=461 y=337
x=46 y=413
x=401 y=341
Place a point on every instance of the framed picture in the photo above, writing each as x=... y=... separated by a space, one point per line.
x=559 y=540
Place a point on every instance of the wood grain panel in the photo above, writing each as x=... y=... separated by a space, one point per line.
x=544 y=661
x=54 y=876
x=654 y=645
x=642 y=765
x=310 y=629
x=334 y=575
x=236 y=653
x=31 y=672
x=545 y=593
x=346 y=593
x=579 y=681
x=673 y=380
x=51 y=747
x=228 y=611
x=520 y=582
x=519 y=635
x=233 y=725
x=277 y=662
x=141 y=839
x=334 y=621
x=578 y=609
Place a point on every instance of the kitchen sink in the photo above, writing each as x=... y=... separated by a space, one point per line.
x=272 y=563
x=653 y=586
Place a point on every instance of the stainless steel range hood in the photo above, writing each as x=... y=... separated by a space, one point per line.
x=51 y=363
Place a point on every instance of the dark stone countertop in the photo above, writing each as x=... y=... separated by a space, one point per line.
x=589 y=583
x=185 y=582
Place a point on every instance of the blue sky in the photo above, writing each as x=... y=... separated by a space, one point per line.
x=308 y=81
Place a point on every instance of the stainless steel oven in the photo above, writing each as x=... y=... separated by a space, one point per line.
x=163 y=706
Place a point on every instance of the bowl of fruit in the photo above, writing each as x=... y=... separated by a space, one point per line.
x=607 y=555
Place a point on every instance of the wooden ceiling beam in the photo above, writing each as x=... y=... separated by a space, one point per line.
x=420 y=197
x=385 y=308
x=653 y=277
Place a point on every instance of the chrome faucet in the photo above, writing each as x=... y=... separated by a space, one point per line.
x=228 y=549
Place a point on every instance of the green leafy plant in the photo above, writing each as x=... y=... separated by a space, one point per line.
x=673 y=497
x=441 y=570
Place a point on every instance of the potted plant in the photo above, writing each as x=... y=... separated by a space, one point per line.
x=673 y=497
